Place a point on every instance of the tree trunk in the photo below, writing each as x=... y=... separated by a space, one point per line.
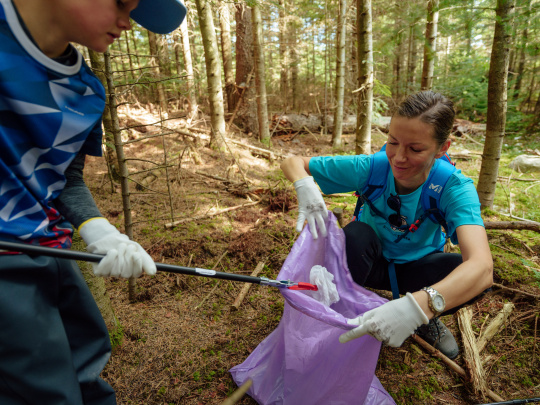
x=188 y=64
x=497 y=102
x=121 y=158
x=213 y=73
x=293 y=31
x=247 y=109
x=283 y=51
x=365 y=77
x=340 y=74
x=226 y=51
x=411 y=62
x=258 y=52
x=430 y=44
x=398 y=53
x=154 y=61
x=521 y=65
x=98 y=66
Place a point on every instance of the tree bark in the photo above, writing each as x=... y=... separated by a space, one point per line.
x=293 y=35
x=226 y=52
x=121 y=158
x=98 y=66
x=247 y=109
x=521 y=64
x=283 y=50
x=411 y=62
x=155 y=62
x=340 y=74
x=258 y=51
x=365 y=77
x=430 y=44
x=213 y=72
x=188 y=64
x=497 y=103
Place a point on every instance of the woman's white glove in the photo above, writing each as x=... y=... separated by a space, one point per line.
x=391 y=323
x=311 y=206
x=123 y=257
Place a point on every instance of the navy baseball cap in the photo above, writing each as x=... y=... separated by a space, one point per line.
x=159 y=16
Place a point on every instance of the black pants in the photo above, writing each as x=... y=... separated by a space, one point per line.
x=53 y=340
x=369 y=268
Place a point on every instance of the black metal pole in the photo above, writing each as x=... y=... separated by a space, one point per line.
x=516 y=401
x=37 y=250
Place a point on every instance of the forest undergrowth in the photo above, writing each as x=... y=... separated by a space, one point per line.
x=181 y=335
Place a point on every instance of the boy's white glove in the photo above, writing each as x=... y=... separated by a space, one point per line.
x=391 y=323
x=311 y=206
x=123 y=257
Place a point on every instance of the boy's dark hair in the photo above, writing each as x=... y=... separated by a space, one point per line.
x=433 y=109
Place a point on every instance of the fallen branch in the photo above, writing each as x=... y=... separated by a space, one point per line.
x=503 y=287
x=270 y=154
x=494 y=326
x=181 y=221
x=516 y=178
x=471 y=354
x=451 y=364
x=238 y=394
x=530 y=226
x=236 y=305
x=217 y=283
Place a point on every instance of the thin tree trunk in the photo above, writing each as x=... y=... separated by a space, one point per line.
x=283 y=50
x=430 y=44
x=258 y=51
x=98 y=66
x=213 y=72
x=152 y=43
x=365 y=77
x=411 y=65
x=188 y=64
x=123 y=170
x=226 y=51
x=340 y=74
x=293 y=30
x=497 y=102
x=247 y=109
x=521 y=65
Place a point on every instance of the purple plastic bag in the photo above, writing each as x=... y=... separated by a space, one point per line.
x=302 y=362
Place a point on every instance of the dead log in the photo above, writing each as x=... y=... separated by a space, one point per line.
x=451 y=364
x=236 y=305
x=470 y=352
x=519 y=225
x=494 y=326
x=208 y=215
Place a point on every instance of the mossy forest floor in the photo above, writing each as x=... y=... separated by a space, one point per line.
x=178 y=339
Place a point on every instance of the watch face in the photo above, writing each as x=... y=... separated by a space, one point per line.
x=438 y=303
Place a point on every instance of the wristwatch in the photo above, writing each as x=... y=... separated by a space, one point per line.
x=436 y=301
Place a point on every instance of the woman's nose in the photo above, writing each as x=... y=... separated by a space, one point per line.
x=400 y=155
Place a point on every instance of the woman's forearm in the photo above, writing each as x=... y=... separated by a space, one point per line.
x=295 y=167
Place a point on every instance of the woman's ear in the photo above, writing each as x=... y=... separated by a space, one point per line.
x=444 y=148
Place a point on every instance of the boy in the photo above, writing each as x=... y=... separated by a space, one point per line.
x=53 y=341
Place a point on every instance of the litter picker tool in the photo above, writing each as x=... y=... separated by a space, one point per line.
x=192 y=271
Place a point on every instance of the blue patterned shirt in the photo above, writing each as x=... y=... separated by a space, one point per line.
x=48 y=113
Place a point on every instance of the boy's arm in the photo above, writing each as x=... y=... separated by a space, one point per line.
x=123 y=257
x=76 y=203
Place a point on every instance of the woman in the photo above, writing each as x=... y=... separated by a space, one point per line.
x=432 y=282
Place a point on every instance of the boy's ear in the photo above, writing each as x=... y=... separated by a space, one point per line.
x=444 y=148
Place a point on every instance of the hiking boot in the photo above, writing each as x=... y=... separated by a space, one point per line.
x=438 y=335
